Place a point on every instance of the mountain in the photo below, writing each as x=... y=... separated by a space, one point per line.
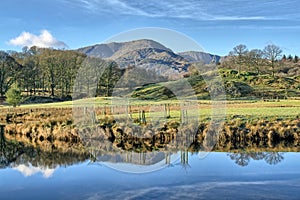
x=196 y=56
x=162 y=62
x=116 y=49
x=146 y=54
x=101 y=50
x=149 y=55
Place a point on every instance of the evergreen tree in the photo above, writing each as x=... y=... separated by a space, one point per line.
x=9 y=71
x=13 y=96
x=296 y=59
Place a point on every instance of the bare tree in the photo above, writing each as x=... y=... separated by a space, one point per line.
x=255 y=59
x=239 y=55
x=272 y=53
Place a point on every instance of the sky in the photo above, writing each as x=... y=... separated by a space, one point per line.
x=216 y=26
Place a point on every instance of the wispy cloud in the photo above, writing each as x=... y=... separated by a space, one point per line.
x=237 y=18
x=109 y=6
x=45 y=39
x=191 y=9
x=204 y=190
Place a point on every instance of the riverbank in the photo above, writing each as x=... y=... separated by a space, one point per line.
x=54 y=128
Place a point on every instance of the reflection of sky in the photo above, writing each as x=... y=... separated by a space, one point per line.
x=29 y=170
x=213 y=176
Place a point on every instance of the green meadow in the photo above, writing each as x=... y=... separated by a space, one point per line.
x=203 y=108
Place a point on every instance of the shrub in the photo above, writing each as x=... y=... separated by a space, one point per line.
x=13 y=96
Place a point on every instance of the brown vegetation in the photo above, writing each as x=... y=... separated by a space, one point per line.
x=54 y=129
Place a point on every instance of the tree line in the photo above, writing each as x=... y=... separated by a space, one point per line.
x=269 y=60
x=50 y=72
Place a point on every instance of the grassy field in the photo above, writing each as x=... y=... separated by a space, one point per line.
x=281 y=108
x=246 y=108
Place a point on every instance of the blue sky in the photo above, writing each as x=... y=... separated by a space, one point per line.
x=216 y=25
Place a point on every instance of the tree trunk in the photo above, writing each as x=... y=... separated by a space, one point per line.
x=52 y=89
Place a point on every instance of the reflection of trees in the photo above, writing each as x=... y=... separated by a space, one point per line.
x=257 y=155
x=184 y=160
x=244 y=158
x=37 y=157
x=241 y=159
x=14 y=153
x=9 y=151
x=273 y=158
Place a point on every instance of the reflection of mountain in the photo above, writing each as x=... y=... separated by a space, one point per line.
x=133 y=157
x=143 y=158
x=243 y=159
x=138 y=162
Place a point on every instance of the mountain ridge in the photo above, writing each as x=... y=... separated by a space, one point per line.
x=115 y=49
x=150 y=55
x=198 y=56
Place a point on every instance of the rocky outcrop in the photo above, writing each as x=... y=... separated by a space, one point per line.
x=202 y=57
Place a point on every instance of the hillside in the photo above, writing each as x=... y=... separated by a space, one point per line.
x=246 y=85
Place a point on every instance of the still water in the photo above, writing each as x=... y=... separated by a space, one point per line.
x=217 y=175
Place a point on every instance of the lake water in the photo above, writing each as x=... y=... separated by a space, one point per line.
x=217 y=175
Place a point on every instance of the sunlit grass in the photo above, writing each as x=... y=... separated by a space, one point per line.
x=204 y=107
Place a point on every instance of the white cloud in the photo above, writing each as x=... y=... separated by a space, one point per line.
x=45 y=39
x=31 y=170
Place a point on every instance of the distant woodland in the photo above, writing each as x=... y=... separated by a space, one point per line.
x=51 y=73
